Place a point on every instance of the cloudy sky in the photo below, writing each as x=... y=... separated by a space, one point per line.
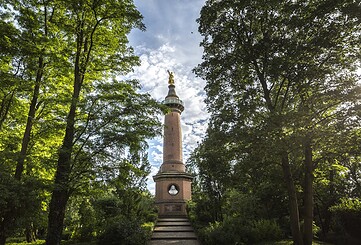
x=171 y=42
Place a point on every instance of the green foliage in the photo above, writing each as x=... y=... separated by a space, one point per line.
x=348 y=216
x=242 y=205
x=236 y=231
x=124 y=231
x=149 y=226
x=139 y=207
x=22 y=242
x=198 y=212
x=242 y=221
x=265 y=230
x=348 y=205
x=215 y=233
x=284 y=97
x=48 y=50
x=106 y=206
x=87 y=222
x=204 y=209
x=25 y=199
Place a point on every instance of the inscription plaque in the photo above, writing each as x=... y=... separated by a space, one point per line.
x=173 y=208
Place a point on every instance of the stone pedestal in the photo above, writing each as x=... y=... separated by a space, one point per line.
x=173 y=190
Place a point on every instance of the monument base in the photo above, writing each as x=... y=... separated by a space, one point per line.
x=173 y=190
x=173 y=209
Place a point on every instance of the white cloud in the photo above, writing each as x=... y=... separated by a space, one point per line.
x=171 y=42
x=171 y=21
x=150 y=182
x=153 y=77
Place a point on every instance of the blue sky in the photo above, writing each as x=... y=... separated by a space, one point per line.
x=171 y=42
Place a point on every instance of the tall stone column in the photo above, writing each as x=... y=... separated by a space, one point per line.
x=172 y=183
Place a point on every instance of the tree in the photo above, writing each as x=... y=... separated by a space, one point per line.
x=118 y=193
x=62 y=65
x=8 y=44
x=28 y=50
x=97 y=36
x=286 y=69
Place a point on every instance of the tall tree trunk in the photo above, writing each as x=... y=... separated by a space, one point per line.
x=4 y=225
x=29 y=233
x=29 y=124
x=61 y=190
x=5 y=107
x=2 y=239
x=10 y=216
x=56 y=216
x=294 y=214
x=329 y=203
x=308 y=194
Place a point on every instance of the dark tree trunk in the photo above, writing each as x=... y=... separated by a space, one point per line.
x=294 y=214
x=29 y=124
x=10 y=215
x=2 y=233
x=57 y=208
x=61 y=190
x=2 y=238
x=308 y=194
x=329 y=203
x=29 y=233
x=4 y=226
x=5 y=107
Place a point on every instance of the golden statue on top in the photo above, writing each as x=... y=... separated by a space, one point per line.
x=171 y=78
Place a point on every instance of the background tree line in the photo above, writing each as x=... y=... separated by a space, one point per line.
x=282 y=151
x=72 y=129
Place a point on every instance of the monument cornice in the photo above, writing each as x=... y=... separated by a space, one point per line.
x=168 y=175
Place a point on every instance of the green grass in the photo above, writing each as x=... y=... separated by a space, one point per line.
x=23 y=242
x=42 y=242
x=18 y=241
x=77 y=243
x=290 y=242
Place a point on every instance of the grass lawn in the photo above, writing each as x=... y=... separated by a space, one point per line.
x=42 y=242
x=289 y=242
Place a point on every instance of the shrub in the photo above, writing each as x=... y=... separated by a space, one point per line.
x=217 y=233
x=239 y=231
x=242 y=222
x=12 y=242
x=265 y=230
x=149 y=226
x=86 y=229
x=348 y=212
x=124 y=231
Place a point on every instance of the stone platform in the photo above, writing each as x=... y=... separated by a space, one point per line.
x=177 y=231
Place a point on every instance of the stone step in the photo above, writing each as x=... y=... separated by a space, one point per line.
x=178 y=223
x=174 y=235
x=173 y=216
x=173 y=242
x=173 y=228
x=172 y=219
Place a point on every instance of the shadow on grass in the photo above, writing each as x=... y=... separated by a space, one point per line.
x=290 y=242
x=42 y=242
